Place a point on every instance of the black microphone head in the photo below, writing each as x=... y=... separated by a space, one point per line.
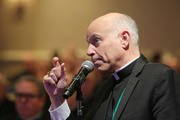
x=78 y=79
x=88 y=65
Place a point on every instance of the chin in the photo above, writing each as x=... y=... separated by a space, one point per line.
x=103 y=69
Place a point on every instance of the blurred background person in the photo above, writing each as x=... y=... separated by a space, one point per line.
x=166 y=58
x=6 y=105
x=29 y=67
x=156 y=57
x=172 y=61
x=30 y=100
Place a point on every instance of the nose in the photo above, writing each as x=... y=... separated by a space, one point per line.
x=90 y=50
x=22 y=100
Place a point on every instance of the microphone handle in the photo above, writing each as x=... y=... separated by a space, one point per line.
x=76 y=82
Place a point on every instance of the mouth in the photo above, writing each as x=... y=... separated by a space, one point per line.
x=96 y=61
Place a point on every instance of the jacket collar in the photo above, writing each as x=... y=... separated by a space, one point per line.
x=131 y=85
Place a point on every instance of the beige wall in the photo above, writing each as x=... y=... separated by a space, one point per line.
x=47 y=25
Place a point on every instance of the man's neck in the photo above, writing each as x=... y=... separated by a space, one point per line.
x=127 y=64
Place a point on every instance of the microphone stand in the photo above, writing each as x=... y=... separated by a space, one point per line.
x=79 y=99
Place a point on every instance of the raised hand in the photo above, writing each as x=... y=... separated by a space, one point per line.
x=55 y=82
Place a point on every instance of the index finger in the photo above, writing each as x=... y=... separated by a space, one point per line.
x=55 y=62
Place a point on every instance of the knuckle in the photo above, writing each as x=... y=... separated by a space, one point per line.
x=54 y=69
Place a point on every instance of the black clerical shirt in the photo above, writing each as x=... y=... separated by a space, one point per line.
x=120 y=83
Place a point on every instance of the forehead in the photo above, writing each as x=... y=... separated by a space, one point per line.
x=99 y=27
x=26 y=87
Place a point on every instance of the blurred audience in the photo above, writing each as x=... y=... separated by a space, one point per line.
x=166 y=58
x=172 y=61
x=6 y=106
x=156 y=57
x=71 y=60
x=30 y=100
x=29 y=68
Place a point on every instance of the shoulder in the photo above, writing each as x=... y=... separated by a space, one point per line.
x=157 y=69
x=157 y=66
x=158 y=74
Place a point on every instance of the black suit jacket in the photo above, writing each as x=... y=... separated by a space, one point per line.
x=152 y=93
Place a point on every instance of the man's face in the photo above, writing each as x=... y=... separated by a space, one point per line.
x=104 y=46
x=28 y=101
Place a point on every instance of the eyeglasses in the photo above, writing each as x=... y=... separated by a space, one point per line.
x=26 y=95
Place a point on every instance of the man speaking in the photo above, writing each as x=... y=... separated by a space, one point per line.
x=135 y=89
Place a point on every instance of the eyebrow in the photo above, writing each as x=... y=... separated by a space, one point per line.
x=95 y=35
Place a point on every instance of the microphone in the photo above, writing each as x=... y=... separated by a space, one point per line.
x=78 y=79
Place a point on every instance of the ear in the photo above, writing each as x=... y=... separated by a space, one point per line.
x=125 y=36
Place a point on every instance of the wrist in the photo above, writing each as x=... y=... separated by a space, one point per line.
x=56 y=101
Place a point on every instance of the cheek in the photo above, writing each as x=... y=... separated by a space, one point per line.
x=103 y=52
x=108 y=54
x=114 y=52
x=35 y=103
x=107 y=49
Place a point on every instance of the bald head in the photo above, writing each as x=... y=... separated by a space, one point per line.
x=116 y=23
x=112 y=41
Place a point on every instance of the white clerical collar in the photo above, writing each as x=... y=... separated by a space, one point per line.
x=115 y=73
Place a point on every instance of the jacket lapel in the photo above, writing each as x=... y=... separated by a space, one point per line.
x=133 y=81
